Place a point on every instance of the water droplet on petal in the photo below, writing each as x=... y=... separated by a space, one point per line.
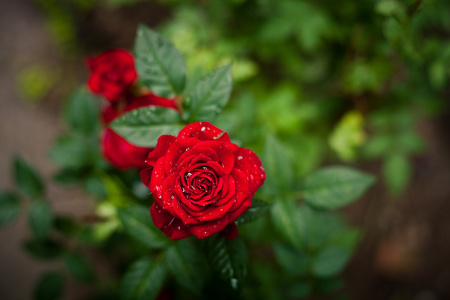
x=239 y=157
x=203 y=128
x=179 y=228
x=205 y=233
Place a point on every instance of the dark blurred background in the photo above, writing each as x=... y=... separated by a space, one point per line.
x=355 y=82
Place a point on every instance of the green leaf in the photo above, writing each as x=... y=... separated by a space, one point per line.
x=346 y=237
x=328 y=285
x=229 y=259
x=332 y=256
x=278 y=168
x=79 y=267
x=437 y=73
x=411 y=142
x=257 y=210
x=333 y=187
x=187 y=266
x=291 y=259
x=143 y=127
x=40 y=218
x=27 y=179
x=71 y=151
x=66 y=225
x=49 y=286
x=319 y=229
x=285 y=220
x=43 y=249
x=397 y=172
x=300 y=290
x=143 y=280
x=138 y=223
x=377 y=146
x=209 y=96
x=159 y=64
x=330 y=261
x=82 y=112
x=9 y=207
x=388 y=7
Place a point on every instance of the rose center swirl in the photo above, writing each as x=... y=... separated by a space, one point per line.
x=200 y=184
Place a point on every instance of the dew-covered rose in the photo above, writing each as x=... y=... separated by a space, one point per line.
x=201 y=182
x=113 y=73
x=117 y=150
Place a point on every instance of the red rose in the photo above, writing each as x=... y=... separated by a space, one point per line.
x=112 y=74
x=115 y=148
x=201 y=182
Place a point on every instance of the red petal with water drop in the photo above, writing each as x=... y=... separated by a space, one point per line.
x=121 y=153
x=203 y=131
x=203 y=182
x=230 y=232
x=172 y=227
x=208 y=229
x=163 y=144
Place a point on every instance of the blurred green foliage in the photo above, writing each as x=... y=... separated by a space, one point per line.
x=314 y=82
x=353 y=74
x=308 y=71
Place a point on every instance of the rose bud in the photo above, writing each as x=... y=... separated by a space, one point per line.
x=117 y=150
x=113 y=73
x=201 y=182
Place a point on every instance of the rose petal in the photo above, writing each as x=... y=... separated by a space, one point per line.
x=121 y=153
x=242 y=188
x=208 y=229
x=168 y=196
x=207 y=154
x=109 y=113
x=204 y=131
x=187 y=161
x=163 y=144
x=176 y=149
x=233 y=215
x=215 y=212
x=149 y=100
x=228 y=190
x=157 y=181
x=257 y=174
x=146 y=176
x=230 y=232
x=112 y=74
x=172 y=227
